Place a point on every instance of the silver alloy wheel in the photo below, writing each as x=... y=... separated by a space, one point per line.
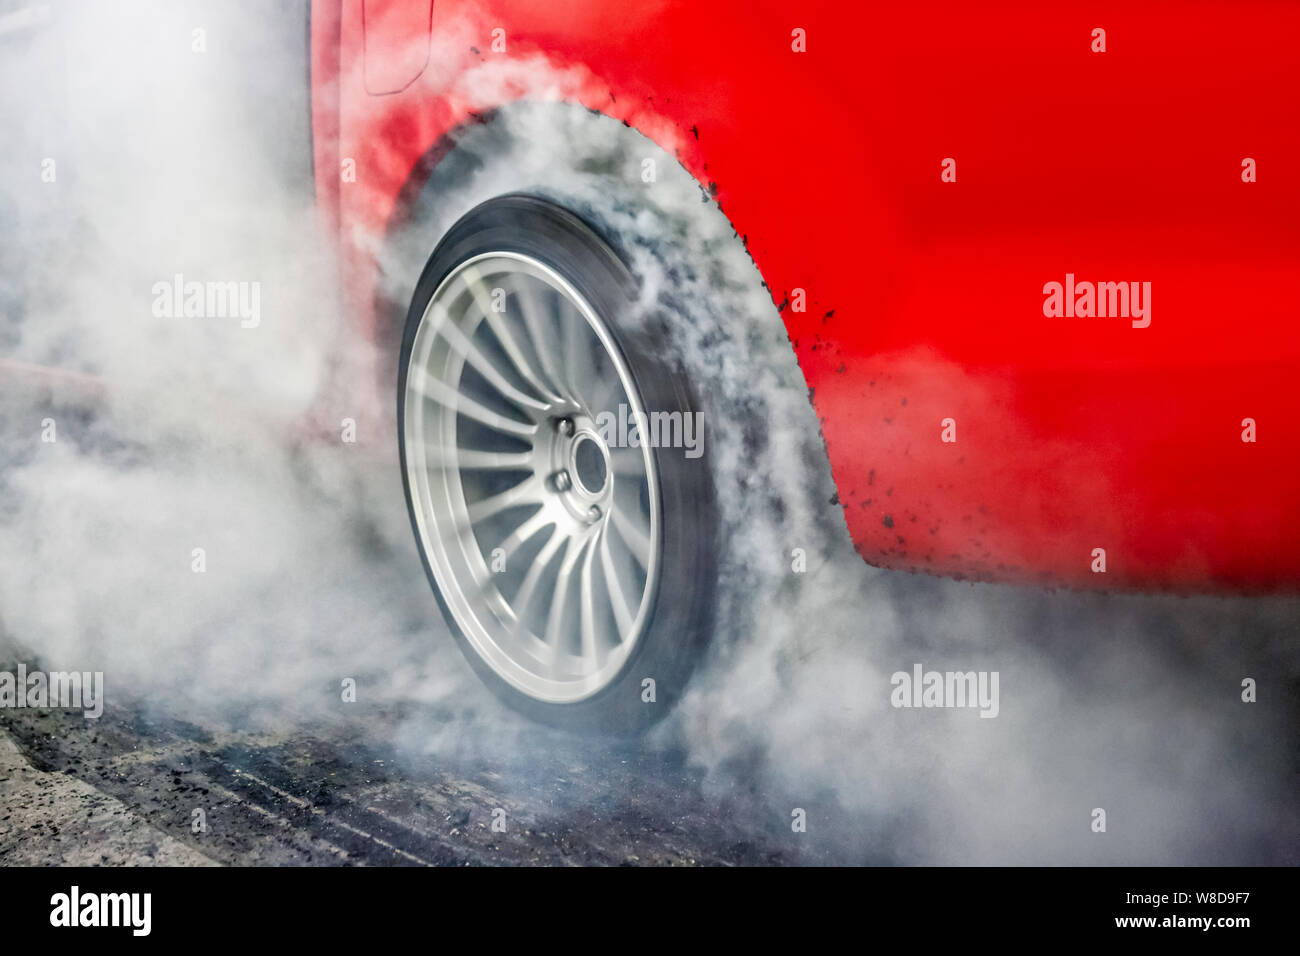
x=538 y=516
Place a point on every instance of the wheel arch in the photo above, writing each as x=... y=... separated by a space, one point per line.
x=448 y=158
x=439 y=162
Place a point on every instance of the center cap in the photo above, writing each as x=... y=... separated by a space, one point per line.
x=590 y=463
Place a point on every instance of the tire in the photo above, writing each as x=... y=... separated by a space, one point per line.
x=521 y=316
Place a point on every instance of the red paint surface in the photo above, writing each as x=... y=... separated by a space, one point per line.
x=1073 y=434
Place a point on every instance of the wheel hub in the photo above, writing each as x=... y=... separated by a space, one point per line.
x=580 y=467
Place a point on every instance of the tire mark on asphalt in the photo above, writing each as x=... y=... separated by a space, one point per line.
x=239 y=802
x=335 y=821
x=295 y=797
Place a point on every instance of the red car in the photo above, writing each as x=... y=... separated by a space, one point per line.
x=567 y=225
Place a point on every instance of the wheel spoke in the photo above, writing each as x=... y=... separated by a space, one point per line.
x=628 y=462
x=466 y=459
x=446 y=396
x=637 y=541
x=623 y=612
x=524 y=596
x=578 y=338
x=587 y=614
x=526 y=492
x=604 y=399
x=535 y=318
x=481 y=364
x=560 y=601
x=525 y=531
x=496 y=322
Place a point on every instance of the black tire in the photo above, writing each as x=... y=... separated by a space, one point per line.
x=683 y=604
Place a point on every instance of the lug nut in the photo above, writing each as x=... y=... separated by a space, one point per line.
x=561 y=481
x=593 y=513
x=564 y=426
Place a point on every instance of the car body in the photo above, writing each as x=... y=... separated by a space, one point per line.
x=917 y=302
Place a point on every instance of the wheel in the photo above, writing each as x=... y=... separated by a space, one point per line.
x=566 y=529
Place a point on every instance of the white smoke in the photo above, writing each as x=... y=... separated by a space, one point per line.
x=167 y=161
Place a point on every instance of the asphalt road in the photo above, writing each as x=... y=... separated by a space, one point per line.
x=124 y=790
